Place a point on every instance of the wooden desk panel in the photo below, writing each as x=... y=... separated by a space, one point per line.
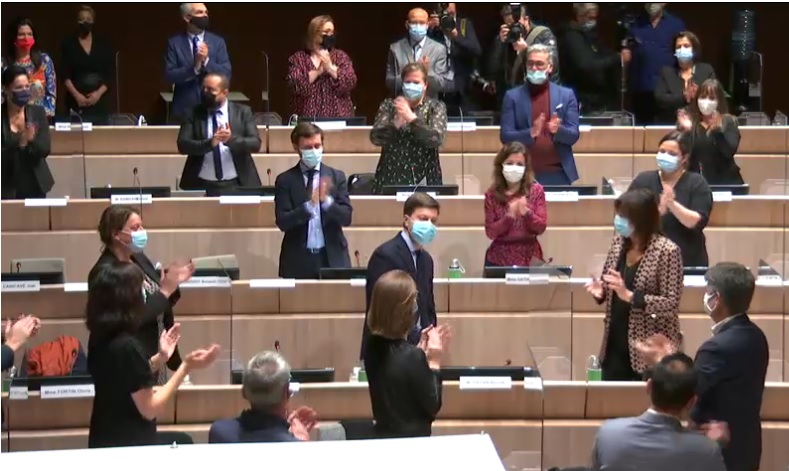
x=17 y=217
x=461 y=211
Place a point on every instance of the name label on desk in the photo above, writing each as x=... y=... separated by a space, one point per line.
x=532 y=384
x=20 y=286
x=481 y=383
x=207 y=282
x=294 y=388
x=721 y=196
x=75 y=287
x=526 y=279
x=66 y=127
x=695 y=280
x=561 y=196
x=331 y=125
x=404 y=195
x=770 y=280
x=131 y=199
x=68 y=391
x=274 y=283
x=358 y=282
x=17 y=393
x=240 y=199
x=462 y=127
x=45 y=202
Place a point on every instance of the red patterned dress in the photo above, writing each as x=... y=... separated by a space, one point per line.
x=326 y=97
x=515 y=239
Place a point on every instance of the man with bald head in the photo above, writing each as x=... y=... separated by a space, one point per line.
x=190 y=56
x=417 y=47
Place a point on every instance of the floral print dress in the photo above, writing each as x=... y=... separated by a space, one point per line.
x=43 y=83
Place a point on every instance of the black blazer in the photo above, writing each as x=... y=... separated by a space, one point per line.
x=25 y=168
x=395 y=255
x=245 y=140
x=669 y=88
x=404 y=392
x=732 y=367
x=293 y=218
x=156 y=304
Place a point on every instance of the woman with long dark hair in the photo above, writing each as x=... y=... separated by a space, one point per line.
x=678 y=84
x=21 y=50
x=126 y=406
x=641 y=286
x=515 y=210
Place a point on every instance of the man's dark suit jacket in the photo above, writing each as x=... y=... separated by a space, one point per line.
x=732 y=367
x=251 y=427
x=155 y=305
x=293 y=218
x=463 y=54
x=670 y=87
x=395 y=255
x=179 y=69
x=194 y=141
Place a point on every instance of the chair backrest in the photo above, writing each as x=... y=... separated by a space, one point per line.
x=361 y=183
x=272 y=118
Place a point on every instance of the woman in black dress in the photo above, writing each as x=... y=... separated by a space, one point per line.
x=685 y=199
x=714 y=136
x=404 y=379
x=126 y=406
x=88 y=69
x=124 y=239
x=26 y=142
x=409 y=129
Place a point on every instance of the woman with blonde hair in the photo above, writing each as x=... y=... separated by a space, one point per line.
x=320 y=76
x=404 y=379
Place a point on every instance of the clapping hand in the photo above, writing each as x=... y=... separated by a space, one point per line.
x=325 y=189
x=689 y=93
x=172 y=277
x=202 y=54
x=716 y=121
x=595 y=288
x=553 y=124
x=613 y=279
x=169 y=340
x=403 y=110
x=424 y=60
x=683 y=120
x=19 y=331
x=537 y=126
x=28 y=134
x=666 y=199
x=202 y=357
x=306 y=416
x=299 y=430
x=654 y=348
x=523 y=206
x=717 y=431
x=223 y=134
x=513 y=208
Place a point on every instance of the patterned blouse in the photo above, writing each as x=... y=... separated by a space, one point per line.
x=326 y=97
x=409 y=154
x=515 y=239
x=43 y=83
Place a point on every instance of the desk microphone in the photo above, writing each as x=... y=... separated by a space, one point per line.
x=507 y=362
x=136 y=182
x=358 y=259
x=268 y=174
x=19 y=267
x=74 y=114
x=276 y=346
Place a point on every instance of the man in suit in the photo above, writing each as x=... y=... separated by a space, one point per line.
x=219 y=138
x=406 y=252
x=656 y=440
x=732 y=366
x=543 y=116
x=266 y=385
x=311 y=205
x=417 y=47
x=190 y=56
x=457 y=35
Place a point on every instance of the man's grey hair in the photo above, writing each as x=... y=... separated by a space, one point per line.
x=581 y=9
x=186 y=9
x=735 y=285
x=265 y=380
x=542 y=49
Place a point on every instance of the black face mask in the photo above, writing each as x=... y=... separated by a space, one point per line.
x=209 y=100
x=328 y=42
x=199 y=22
x=20 y=97
x=84 y=28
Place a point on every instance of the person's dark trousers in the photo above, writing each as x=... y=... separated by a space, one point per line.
x=212 y=185
x=179 y=438
x=553 y=177
x=317 y=259
x=644 y=108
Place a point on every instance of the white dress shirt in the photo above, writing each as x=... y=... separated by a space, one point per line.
x=207 y=171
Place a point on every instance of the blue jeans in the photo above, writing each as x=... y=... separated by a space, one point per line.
x=553 y=177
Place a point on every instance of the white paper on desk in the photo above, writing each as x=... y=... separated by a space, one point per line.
x=75 y=287
x=45 y=202
x=67 y=391
x=561 y=196
x=207 y=282
x=584 y=128
x=20 y=286
x=483 y=383
x=465 y=126
x=721 y=196
x=695 y=280
x=239 y=199
x=131 y=199
x=331 y=125
x=276 y=283
x=358 y=282
x=532 y=384
x=17 y=393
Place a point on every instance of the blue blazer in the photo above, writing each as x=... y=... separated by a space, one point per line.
x=179 y=69
x=516 y=122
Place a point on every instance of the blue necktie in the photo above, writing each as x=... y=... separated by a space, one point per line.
x=216 y=152
x=195 y=42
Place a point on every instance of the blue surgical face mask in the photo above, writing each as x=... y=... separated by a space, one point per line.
x=423 y=232
x=413 y=91
x=417 y=32
x=311 y=157
x=139 y=239
x=667 y=162
x=622 y=226
x=537 y=77
x=684 y=54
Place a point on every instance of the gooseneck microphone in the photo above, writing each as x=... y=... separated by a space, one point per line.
x=268 y=175
x=74 y=114
x=462 y=150
x=358 y=259
x=136 y=180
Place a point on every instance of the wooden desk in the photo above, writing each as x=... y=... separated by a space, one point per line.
x=368 y=211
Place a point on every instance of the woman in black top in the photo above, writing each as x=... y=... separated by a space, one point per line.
x=685 y=199
x=126 y=406
x=26 y=142
x=88 y=70
x=714 y=136
x=678 y=85
x=404 y=380
x=410 y=129
x=124 y=238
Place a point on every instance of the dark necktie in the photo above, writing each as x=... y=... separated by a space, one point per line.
x=310 y=179
x=217 y=154
x=195 y=42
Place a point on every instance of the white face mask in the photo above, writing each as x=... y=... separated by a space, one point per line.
x=707 y=307
x=707 y=107
x=513 y=173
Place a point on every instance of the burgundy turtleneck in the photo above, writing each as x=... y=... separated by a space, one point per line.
x=544 y=157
